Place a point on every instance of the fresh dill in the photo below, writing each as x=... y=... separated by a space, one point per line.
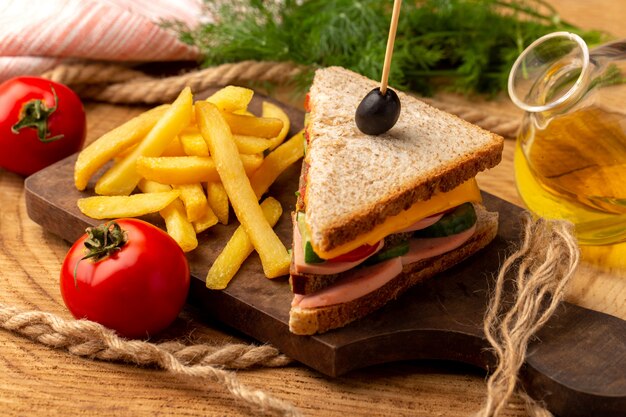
x=461 y=45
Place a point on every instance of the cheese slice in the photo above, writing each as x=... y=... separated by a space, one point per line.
x=467 y=192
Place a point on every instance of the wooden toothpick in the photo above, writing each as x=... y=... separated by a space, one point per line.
x=390 y=41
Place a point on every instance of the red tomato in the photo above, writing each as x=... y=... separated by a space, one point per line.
x=355 y=254
x=41 y=122
x=137 y=290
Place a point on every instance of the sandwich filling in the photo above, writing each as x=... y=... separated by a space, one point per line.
x=362 y=281
x=429 y=237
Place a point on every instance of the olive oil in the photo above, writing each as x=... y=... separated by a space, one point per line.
x=574 y=168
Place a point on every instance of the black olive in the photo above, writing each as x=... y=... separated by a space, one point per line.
x=377 y=113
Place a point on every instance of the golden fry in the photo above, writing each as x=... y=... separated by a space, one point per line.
x=251 y=144
x=194 y=144
x=124 y=153
x=194 y=200
x=276 y=162
x=122 y=178
x=244 y=112
x=178 y=226
x=218 y=200
x=105 y=148
x=113 y=207
x=174 y=148
x=188 y=169
x=191 y=129
x=176 y=222
x=178 y=169
x=274 y=256
x=253 y=126
x=209 y=219
x=231 y=98
x=273 y=111
x=238 y=248
x=147 y=186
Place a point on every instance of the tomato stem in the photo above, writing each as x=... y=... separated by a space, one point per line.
x=35 y=114
x=101 y=242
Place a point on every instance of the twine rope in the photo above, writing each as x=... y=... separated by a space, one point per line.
x=119 y=84
x=134 y=87
x=545 y=262
x=91 y=340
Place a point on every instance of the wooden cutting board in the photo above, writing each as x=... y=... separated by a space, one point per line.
x=576 y=365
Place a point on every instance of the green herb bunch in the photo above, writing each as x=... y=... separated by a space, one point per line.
x=461 y=45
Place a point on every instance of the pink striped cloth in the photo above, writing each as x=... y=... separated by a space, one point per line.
x=36 y=35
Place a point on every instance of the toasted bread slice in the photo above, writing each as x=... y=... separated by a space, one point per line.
x=355 y=181
x=319 y=320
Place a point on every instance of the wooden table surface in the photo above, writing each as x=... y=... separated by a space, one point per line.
x=36 y=380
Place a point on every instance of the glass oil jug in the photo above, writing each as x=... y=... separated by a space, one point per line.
x=570 y=156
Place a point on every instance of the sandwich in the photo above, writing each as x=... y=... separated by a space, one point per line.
x=377 y=214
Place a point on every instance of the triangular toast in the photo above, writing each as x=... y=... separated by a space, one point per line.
x=354 y=181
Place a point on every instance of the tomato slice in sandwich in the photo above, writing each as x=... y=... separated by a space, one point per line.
x=356 y=254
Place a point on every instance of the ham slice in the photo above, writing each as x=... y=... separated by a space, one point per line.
x=326 y=268
x=428 y=247
x=356 y=284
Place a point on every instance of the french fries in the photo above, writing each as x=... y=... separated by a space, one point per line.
x=94 y=156
x=169 y=152
x=188 y=169
x=276 y=162
x=238 y=248
x=271 y=110
x=218 y=200
x=193 y=144
x=194 y=200
x=123 y=177
x=251 y=144
x=176 y=222
x=109 y=207
x=174 y=148
x=231 y=98
x=274 y=256
x=252 y=126
x=177 y=169
x=208 y=220
x=179 y=227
